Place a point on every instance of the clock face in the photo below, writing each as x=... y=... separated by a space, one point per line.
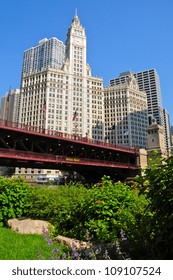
x=78 y=41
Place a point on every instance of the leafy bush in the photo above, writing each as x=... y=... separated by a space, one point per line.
x=112 y=208
x=157 y=183
x=14 y=197
x=61 y=206
x=103 y=211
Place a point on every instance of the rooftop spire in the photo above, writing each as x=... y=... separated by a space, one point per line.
x=76 y=12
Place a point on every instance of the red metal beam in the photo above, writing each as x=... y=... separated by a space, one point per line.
x=33 y=130
x=25 y=156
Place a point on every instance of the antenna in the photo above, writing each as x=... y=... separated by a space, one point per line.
x=76 y=12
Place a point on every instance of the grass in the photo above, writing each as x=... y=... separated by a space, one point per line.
x=16 y=246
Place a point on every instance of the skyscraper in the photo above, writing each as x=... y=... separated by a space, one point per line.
x=149 y=82
x=54 y=91
x=126 y=117
x=48 y=53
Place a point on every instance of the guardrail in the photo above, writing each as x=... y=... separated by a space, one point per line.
x=34 y=156
x=64 y=135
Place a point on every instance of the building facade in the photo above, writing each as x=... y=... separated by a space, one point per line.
x=9 y=105
x=58 y=91
x=149 y=82
x=126 y=117
x=67 y=97
x=156 y=141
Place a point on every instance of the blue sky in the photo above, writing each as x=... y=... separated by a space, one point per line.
x=122 y=35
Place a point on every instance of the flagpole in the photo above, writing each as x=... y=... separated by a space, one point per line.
x=75 y=128
x=44 y=115
x=7 y=110
x=112 y=128
x=75 y=123
x=97 y=128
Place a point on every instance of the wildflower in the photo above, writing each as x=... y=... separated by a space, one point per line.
x=64 y=256
x=49 y=241
x=106 y=255
x=55 y=250
x=122 y=234
x=75 y=254
x=45 y=231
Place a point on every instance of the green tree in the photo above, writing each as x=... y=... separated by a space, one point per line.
x=157 y=183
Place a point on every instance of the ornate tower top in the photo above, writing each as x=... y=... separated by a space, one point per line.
x=76 y=38
x=155 y=139
x=76 y=21
x=132 y=81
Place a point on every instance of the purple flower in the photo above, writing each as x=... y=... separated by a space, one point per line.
x=49 y=241
x=45 y=231
x=64 y=256
x=56 y=250
x=122 y=234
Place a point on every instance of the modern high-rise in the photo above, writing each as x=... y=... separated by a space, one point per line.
x=126 y=117
x=48 y=53
x=149 y=82
x=58 y=92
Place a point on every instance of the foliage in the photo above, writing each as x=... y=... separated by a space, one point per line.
x=135 y=222
x=104 y=210
x=157 y=183
x=59 y=205
x=90 y=252
x=112 y=208
x=14 y=197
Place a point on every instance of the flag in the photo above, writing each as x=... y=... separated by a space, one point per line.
x=126 y=133
x=112 y=127
x=74 y=116
x=44 y=105
x=8 y=95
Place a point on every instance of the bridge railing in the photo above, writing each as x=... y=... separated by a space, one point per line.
x=69 y=159
x=34 y=156
x=64 y=135
x=28 y=154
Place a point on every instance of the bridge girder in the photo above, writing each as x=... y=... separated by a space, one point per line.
x=52 y=143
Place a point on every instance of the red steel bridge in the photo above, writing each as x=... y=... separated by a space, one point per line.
x=22 y=145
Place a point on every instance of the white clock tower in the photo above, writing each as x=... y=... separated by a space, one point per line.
x=76 y=47
x=85 y=95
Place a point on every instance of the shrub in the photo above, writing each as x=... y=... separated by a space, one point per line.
x=61 y=206
x=73 y=209
x=157 y=183
x=105 y=211
x=14 y=197
x=111 y=208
